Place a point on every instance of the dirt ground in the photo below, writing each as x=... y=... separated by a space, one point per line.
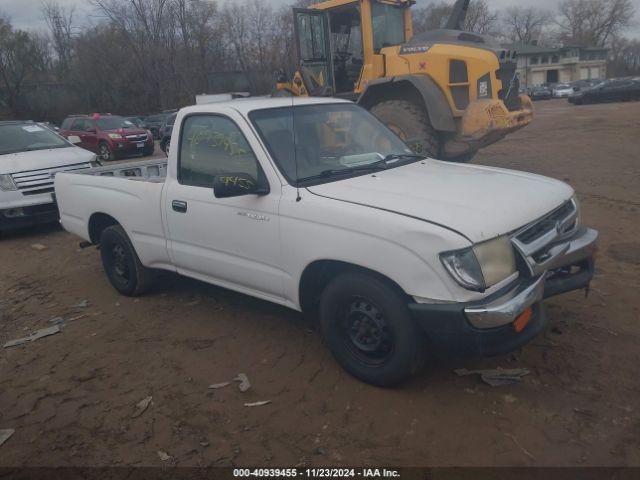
x=71 y=397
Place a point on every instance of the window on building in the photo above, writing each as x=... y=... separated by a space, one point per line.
x=534 y=60
x=544 y=60
x=555 y=59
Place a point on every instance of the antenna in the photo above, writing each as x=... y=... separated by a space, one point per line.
x=295 y=148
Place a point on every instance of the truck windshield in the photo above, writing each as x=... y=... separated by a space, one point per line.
x=330 y=142
x=388 y=25
x=27 y=137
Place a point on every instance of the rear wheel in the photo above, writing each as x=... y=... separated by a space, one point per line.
x=121 y=263
x=411 y=124
x=369 y=330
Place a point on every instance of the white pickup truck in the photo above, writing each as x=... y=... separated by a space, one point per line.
x=316 y=205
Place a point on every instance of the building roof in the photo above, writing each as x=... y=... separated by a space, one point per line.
x=527 y=49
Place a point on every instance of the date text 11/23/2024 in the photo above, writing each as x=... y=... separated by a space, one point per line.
x=316 y=473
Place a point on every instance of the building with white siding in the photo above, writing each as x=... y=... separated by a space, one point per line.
x=538 y=64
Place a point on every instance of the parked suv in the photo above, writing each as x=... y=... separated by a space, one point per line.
x=30 y=157
x=109 y=136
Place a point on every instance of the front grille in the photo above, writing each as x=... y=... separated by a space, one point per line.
x=137 y=138
x=541 y=241
x=510 y=85
x=33 y=182
x=548 y=223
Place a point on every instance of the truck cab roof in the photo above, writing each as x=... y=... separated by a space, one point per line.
x=246 y=105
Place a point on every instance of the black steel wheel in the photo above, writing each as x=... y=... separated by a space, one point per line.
x=367 y=326
x=121 y=263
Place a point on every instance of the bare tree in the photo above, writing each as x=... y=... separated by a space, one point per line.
x=525 y=24
x=22 y=59
x=624 y=57
x=60 y=22
x=594 y=22
x=480 y=18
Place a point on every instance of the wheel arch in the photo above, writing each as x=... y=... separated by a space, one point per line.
x=418 y=89
x=98 y=222
x=319 y=273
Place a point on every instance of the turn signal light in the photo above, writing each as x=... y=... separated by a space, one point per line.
x=523 y=320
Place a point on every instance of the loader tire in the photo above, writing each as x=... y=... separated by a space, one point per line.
x=122 y=265
x=411 y=124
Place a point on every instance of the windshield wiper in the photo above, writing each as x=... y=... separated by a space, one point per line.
x=394 y=157
x=370 y=167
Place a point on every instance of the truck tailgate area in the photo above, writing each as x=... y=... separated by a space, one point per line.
x=128 y=194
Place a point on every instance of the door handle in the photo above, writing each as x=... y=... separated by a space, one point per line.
x=179 y=206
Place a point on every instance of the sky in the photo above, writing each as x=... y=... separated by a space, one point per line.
x=25 y=14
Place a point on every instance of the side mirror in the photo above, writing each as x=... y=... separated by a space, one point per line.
x=237 y=185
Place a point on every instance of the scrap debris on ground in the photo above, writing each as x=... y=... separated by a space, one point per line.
x=37 y=335
x=6 y=435
x=497 y=377
x=141 y=407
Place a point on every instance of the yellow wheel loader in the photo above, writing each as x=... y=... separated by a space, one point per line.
x=446 y=92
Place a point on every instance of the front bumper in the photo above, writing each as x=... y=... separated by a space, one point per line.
x=488 y=327
x=485 y=122
x=20 y=217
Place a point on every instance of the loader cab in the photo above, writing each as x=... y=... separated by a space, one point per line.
x=338 y=42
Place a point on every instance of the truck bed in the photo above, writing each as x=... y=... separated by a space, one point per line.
x=129 y=193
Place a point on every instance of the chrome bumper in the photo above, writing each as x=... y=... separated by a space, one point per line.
x=505 y=310
x=550 y=280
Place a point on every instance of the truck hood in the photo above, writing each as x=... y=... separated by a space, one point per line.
x=55 y=157
x=478 y=202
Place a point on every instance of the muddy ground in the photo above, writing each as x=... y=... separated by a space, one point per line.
x=71 y=397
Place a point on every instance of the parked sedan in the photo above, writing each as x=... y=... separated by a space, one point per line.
x=617 y=90
x=540 y=93
x=562 y=90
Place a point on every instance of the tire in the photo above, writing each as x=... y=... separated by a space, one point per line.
x=122 y=265
x=411 y=124
x=104 y=152
x=387 y=347
x=167 y=147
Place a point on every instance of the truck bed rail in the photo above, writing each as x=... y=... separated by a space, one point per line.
x=148 y=170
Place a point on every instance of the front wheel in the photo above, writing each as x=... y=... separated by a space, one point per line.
x=411 y=123
x=121 y=263
x=369 y=330
x=104 y=152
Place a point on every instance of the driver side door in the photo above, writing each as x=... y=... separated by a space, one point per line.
x=233 y=242
x=314 y=50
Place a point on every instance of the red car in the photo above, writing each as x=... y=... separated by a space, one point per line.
x=109 y=136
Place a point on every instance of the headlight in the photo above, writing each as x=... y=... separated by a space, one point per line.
x=576 y=203
x=7 y=184
x=481 y=266
x=115 y=136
